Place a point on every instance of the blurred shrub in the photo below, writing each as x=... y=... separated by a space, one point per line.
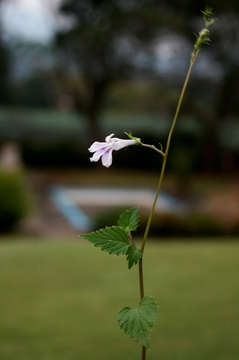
x=57 y=154
x=171 y=225
x=14 y=202
x=192 y=224
x=107 y=218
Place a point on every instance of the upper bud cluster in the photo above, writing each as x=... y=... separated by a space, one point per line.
x=203 y=36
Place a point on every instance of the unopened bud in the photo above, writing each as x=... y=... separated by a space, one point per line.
x=204 y=33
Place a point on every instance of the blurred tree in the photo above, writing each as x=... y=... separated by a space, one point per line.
x=108 y=41
x=4 y=75
x=5 y=64
x=36 y=91
x=220 y=104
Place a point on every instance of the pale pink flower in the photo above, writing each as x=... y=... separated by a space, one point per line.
x=104 y=150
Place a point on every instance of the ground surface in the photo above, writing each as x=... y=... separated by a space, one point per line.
x=59 y=300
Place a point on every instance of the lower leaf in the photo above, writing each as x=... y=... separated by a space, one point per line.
x=138 y=322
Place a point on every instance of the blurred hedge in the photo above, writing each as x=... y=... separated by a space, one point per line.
x=166 y=225
x=60 y=139
x=14 y=200
x=52 y=138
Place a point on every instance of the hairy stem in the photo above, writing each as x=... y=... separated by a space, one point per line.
x=165 y=157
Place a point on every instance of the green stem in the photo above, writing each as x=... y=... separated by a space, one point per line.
x=153 y=148
x=180 y=100
x=141 y=291
x=165 y=156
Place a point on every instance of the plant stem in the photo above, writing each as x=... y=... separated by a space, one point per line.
x=141 y=290
x=153 y=148
x=143 y=353
x=180 y=100
x=131 y=239
x=165 y=157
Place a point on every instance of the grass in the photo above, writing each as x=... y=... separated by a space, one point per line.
x=59 y=300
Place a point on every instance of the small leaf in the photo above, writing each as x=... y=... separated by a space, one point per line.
x=138 y=322
x=112 y=239
x=133 y=256
x=129 y=219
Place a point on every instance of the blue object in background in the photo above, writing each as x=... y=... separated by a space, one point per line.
x=72 y=213
x=64 y=203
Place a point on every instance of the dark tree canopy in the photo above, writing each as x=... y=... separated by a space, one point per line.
x=108 y=37
x=104 y=44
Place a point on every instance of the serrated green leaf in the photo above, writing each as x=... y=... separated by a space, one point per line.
x=112 y=239
x=129 y=219
x=133 y=256
x=138 y=322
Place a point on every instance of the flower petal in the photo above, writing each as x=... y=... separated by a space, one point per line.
x=97 y=155
x=120 y=144
x=107 y=158
x=108 y=138
x=96 y=146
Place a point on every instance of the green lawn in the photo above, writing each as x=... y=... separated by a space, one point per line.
x=59 y=300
